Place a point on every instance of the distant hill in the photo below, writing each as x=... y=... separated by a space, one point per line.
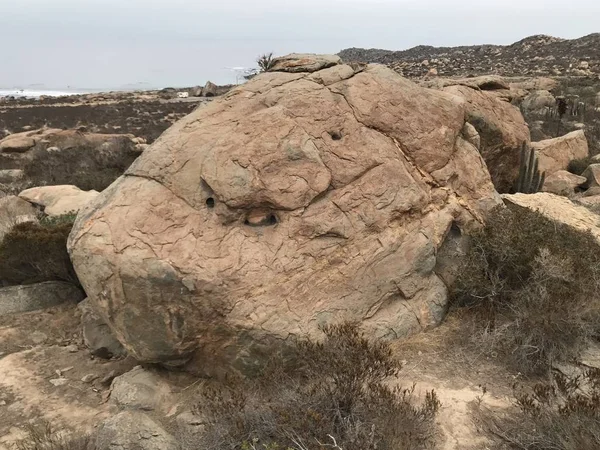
x=535 y=55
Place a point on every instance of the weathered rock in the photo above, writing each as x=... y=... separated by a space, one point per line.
x=502 y=130
x=558 y=209
x=589 y=201
x=133 y=430
x=210 y=89
x=97 y=335
x=538 y=100
x=592 y=175
x=304 y=62
x=563 y=183
x=284 y=205
x=16 y=143
x=58 y=200
x=32 y=297
x=535 y=84
x=591 y=192
x=556 y=154
x=14 y=210
x=139 y=389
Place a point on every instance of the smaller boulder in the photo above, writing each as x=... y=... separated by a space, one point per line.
x=556 y=154
x=139 y=389
x=592 y=176
x=133 y=430
x=538 y=100
x=210 y=89
x=14 y=210
x=304 y=62
x=563 y=183
x=33 y=297
x=16 y=143
x=58 y=200
x=590 y=201
x=97 y=335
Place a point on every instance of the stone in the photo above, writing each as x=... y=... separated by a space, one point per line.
x=538 y=100
x=97 y=335
x=281 y=206
x=89 y=378
x=589 y=201
x=139 y=389
x=502 y=130
x=471 y=135
x=563 y=182
x=592 y=175
x=535 y=84
x=108 y=378
x=72 y=348
x=37 y=337
x=13 y=211
x=133 y=430
x=58 y=200
x=557 y=209
x=556 y=154
x=8 y=176
x=16 y=143
x=56 y=382
x=591 y=192
x=304 y=62
x=33 y=297
x=210 y=89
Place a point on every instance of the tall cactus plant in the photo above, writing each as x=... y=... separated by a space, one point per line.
x=530 y=179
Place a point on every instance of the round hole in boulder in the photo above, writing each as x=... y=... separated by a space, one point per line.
x=335 y=135
x=272 y=219
x=210 y=202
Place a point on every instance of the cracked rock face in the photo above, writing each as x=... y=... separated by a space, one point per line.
x=297 y=199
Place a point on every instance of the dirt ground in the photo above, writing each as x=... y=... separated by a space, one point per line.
x=43 y=361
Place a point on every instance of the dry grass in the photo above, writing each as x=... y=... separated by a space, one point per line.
x=44 y=436
x=336 y=395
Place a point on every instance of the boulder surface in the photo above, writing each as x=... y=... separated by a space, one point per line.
x=556 y=154
x=296 y=200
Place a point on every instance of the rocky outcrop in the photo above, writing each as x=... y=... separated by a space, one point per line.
x=58 y=200
x=298 y=62
x=31 y=297
x=562 y=182
x=556 y=154
x=502 y=130
x=297 y=199
x=558 y=209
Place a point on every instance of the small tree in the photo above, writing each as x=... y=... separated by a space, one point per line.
x=265 y=62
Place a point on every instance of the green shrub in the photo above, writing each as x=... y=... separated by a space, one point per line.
x=337 y=394
x=32 y=252
x=530 y=289
x=560 y=415
x=578 y=166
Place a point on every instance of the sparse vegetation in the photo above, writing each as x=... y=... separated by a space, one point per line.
x=265 y=62
x=560 y=415
x=43 y=436
x=529 y=290
x=32 y=252
x=530 y=179
x=336 y=395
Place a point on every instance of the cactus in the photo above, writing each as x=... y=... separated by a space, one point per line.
x=530 y=179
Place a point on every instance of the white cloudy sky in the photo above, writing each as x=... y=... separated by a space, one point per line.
x=110 y=43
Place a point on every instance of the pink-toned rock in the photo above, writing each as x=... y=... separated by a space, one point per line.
x=563 y=183
x=296 y=200
x=58 y=200
x=502 y=129
x=16 y=143
x=556 y=154
x=592 y=175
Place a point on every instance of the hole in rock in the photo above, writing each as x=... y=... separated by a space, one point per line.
x=210 y=202
x=335 y=135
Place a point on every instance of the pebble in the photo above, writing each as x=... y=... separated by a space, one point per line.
x=72 y=348
x=59 y=381
x=89 y=378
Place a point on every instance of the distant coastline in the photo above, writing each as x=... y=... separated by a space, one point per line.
x=36 y=93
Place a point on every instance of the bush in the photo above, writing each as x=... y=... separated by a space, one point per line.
x=578 y=166
x=559 y=415
x=33 y=252
x=44 y=437
x=530 y=288
x=336 y=395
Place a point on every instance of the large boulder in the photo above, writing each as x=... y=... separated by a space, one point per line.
x=503 y=130
x=13 y=211
x=556 y=154
x=51 y=156
x=58 y=200
x=97 y=335
x=32 y=297
x=304 y=62
x=297 y=199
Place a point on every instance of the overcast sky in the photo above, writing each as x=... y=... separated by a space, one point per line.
x=112 y=43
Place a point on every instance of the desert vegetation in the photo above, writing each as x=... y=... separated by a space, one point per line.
x=528 y=290
x=33 y=252
x=339 y=393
